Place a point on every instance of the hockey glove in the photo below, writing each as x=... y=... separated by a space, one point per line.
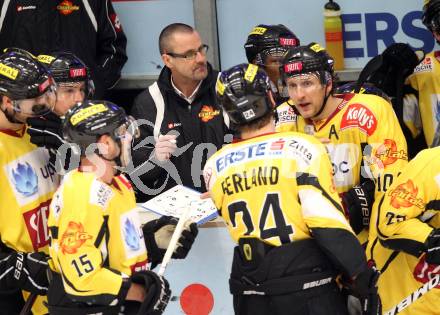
x=358 y=202
x=433 y=247
x=158 y=233
x=158 y=292
x=28 y=271
x=364 y=287
x=46 y=131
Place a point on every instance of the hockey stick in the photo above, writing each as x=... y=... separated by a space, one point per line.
x=174 y=239
x=26 y=310
x=414 y=296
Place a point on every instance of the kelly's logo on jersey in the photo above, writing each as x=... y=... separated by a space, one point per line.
x=36 y=224
x=405 y=195
x=207 y=113
x=359 y=116
x=425 y=66
x=388 y=153
x=73 y=238
x=66 y=7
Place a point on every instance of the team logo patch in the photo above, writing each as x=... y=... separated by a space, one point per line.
x=359 y=116
x=116 y=23
x=207 y=113
x=66 y=7
x=36 y=225
x=132 y=235
x=388 y=153
x=405 y=195
x=426 y=65
x=73 y=238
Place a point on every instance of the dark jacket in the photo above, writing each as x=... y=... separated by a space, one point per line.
x=201 y=129
x=88 y=28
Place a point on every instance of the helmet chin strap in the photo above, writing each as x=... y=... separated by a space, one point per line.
x=117 y=159
x=11 y=117
x=324 y=102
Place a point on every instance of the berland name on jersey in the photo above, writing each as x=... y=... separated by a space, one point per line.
x=250 y=178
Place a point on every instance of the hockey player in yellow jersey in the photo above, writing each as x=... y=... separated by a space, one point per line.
x=421 y=106
x=276 y=194
x=27 y=182
x=361 y=132
x=98 y=249
x=407 y=249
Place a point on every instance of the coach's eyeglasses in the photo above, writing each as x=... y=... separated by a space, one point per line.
x=191 y=55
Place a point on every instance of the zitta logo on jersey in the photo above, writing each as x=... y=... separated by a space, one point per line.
x=31 y=176
x=134 y=244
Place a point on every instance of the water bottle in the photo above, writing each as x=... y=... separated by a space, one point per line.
x=333 y=33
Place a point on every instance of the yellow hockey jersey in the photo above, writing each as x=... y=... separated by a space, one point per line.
x=406 y=215
x=365 y=139
x=27 y=183
x=422 y=111
x=275 y=187
x=96 y=239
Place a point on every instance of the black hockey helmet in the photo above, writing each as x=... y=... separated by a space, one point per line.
x=68 y=68
x=431 y=15
x=85 y=122
x=264 y=40
x=22 y=76
x=307 y=59
x=243 y=91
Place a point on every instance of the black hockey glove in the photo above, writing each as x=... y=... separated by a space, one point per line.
x=358 y=202
x=28 y=271
x=46 y=131
x=364 y=287
x=158 y=233
x=433 y=247
x=158 y=292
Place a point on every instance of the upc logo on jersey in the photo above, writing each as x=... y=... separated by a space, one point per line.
x=132 y=235
x=387 y=153
x=73 y=238
x=425 y=272
x=405 y=195
x=357 y=115
x=207 y=113
x=25 y=179
x=293 y=67
x=74 y=73
x=31 y=176
x=36 y=224
x=425 y=66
